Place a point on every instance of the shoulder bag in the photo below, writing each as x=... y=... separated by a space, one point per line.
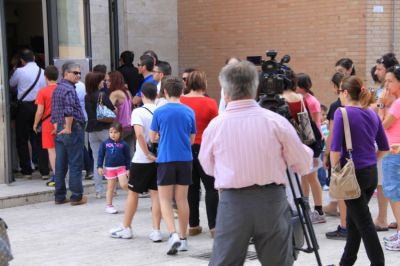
x=103 y=113
x=15 y=105
x=152 y=147
x=307 y=135
x=344 y=185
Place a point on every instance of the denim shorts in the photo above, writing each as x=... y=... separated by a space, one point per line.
x=391 y=176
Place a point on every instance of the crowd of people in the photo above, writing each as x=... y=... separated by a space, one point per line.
x=163 y=135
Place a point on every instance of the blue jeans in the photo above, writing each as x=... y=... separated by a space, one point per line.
x=391 y=173
x=322 y=172
x=69 y=155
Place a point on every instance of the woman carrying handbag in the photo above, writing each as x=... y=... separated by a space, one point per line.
x=98 y=124
x=365 y=129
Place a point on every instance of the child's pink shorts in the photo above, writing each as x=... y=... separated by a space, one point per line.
x=115 y=172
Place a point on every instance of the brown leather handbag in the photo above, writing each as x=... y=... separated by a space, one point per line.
x=344 y=185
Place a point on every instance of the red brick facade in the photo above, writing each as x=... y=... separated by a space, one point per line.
x=315 y=34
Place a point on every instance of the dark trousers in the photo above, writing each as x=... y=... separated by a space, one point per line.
x=87 y=161
x=194 y=193
x=359 y=222
x=24 y=133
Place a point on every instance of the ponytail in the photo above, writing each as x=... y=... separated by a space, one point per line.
x=366 y=97
x=355 y=88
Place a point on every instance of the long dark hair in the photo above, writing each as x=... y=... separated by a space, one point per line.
x=117 y=82
x=348 y=64
x=304 y=82
x=92 y=81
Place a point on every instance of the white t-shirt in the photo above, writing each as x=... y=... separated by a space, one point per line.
x=161 y=101
x=141 y=116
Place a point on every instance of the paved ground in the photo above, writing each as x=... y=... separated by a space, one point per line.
x=46 y=234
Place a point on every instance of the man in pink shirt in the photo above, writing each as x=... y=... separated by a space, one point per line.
x=247 y=149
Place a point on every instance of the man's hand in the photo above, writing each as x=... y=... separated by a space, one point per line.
x=35 y=128
x=65 y=131
x=100 y=171
x=151 y=157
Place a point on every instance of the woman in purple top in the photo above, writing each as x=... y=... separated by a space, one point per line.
x=366 y=128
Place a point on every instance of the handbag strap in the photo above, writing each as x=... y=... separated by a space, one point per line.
x=44 y=118
x=148 y=110
x=100 y=99
x=347 y=133
x=303 y=107
x=32 y=86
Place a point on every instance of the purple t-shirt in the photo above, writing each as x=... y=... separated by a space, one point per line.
x=366 y=129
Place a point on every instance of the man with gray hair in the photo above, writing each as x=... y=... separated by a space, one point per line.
x=68 y=119
x=251 y=173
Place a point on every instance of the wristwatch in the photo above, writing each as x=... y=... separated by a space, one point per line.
x=381 y=105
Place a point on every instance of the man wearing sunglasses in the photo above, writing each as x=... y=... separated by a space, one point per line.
x=68 y=119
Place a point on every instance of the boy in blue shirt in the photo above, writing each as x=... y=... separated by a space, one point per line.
x=174 y=127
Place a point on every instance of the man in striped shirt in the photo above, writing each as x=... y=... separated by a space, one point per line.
x=247 y=149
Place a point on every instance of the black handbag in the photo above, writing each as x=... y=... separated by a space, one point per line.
x=152 y=147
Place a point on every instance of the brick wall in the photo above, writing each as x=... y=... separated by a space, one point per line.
x=315 y=33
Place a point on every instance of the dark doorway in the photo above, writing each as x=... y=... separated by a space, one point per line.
x=23 y=21
x=24 y=28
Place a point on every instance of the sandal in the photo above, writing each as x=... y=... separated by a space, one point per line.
x=392 y=225
x=381 y=229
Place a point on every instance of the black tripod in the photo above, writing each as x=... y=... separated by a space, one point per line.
x=303 y=209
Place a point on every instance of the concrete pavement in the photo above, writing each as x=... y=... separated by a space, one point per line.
x=49 y=234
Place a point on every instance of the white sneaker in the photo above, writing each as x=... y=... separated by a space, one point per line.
x=121 y=232
x=325 y=188
x=392 y=238
x=183 y=246
x=111 y=209
x=99 y=195
x=394 y=245
x=155 y=236
x=173 y=243
x=316 y=218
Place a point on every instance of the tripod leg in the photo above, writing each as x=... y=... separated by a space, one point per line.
x=303 y=209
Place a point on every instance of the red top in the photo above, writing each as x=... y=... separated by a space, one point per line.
x=295 y=108
x=205 y=110
x=44 y=98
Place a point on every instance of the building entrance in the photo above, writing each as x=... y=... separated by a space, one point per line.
x=23 y=21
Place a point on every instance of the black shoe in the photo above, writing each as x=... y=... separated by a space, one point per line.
x=89 y=176
x=338 y=234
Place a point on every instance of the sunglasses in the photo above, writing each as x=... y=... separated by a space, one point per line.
x=76 y=72
x=184 y=79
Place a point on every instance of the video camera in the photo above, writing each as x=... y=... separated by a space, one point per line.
x=274 y=79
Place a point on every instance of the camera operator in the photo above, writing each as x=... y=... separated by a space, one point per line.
x=247 y=150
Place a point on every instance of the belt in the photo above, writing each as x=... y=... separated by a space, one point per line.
x=256 y=187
